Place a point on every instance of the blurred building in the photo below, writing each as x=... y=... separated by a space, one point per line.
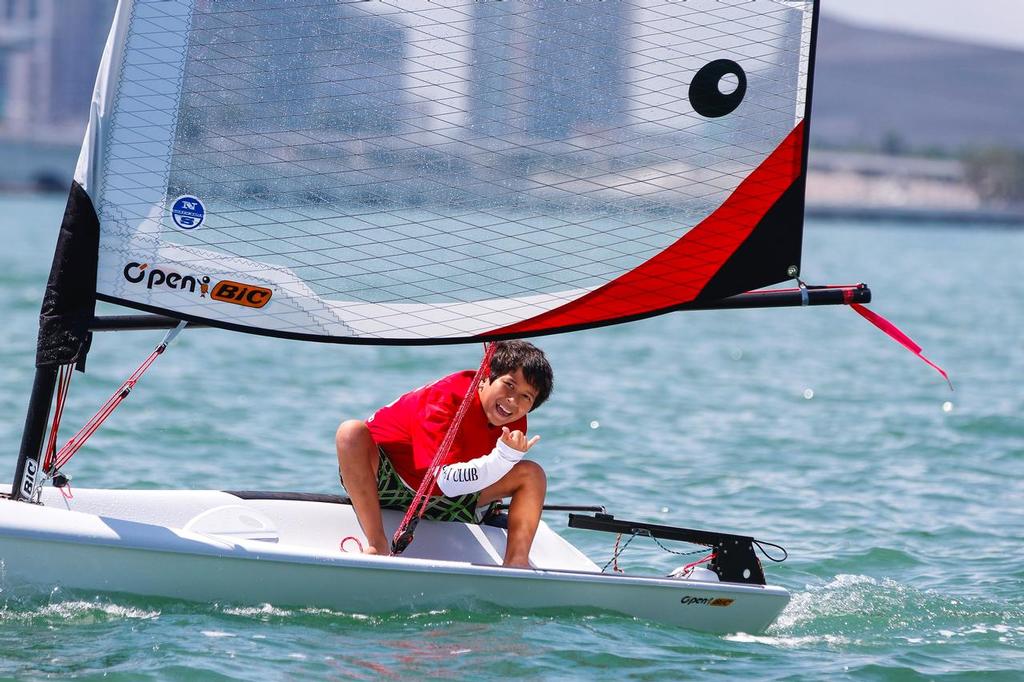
x=49 y=51
x=525 y=68
x=568 y=99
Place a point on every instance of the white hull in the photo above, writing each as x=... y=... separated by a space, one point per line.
x=214 y=546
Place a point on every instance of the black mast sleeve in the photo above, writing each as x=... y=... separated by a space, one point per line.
x=69 y=303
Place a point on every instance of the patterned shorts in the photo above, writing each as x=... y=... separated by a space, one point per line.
x=395 y=494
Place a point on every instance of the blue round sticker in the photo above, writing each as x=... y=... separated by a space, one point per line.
x=188 y=212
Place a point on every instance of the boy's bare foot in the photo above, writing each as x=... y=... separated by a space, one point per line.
x=372 y=548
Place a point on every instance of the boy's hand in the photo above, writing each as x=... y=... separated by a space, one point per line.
x=517 y=440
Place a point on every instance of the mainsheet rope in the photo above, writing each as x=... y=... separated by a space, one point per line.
x=421 y=500
x=57 y=459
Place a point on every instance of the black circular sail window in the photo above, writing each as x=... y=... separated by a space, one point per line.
x=706 y=96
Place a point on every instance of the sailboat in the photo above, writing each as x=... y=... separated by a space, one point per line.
x=405 y=173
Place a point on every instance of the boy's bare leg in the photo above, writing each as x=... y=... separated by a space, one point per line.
x=527 y=485
x=358 y=459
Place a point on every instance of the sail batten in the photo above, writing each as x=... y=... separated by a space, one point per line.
x=418 y=171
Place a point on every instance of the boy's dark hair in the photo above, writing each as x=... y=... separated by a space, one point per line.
x=516 y=354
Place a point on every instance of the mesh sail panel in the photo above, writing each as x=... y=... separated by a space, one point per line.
x=416 y=170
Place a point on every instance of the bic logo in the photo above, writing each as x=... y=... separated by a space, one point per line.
x=28 y=479
x=248 y=295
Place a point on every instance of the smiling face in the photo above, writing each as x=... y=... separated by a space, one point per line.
x=506 y=398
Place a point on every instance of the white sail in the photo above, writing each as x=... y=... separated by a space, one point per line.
x=423 y=170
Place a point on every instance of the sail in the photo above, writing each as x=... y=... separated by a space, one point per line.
x=420 y=171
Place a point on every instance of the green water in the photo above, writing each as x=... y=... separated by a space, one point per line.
x=904 y=519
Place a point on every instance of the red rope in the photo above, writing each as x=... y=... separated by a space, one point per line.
x=698 y=562
x=404 y=535
x=353 y=538
x=615 y=555
x=63 y=385
x=58 y=460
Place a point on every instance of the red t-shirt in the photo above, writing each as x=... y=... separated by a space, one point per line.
x=410 y=430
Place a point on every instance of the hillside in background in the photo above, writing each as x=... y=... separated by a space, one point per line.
x=890 y=91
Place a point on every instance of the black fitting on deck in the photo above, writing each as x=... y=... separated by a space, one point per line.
x=734 y=562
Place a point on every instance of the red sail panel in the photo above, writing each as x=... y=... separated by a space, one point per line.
x=679 y=273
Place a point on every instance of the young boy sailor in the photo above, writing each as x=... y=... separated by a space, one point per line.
x=383 y=460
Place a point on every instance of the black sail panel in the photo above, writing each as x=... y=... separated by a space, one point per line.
x=771 y=250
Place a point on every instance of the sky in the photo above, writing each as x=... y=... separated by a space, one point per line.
x=989 y=22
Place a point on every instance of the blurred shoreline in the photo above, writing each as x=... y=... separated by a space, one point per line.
x=857 y=185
